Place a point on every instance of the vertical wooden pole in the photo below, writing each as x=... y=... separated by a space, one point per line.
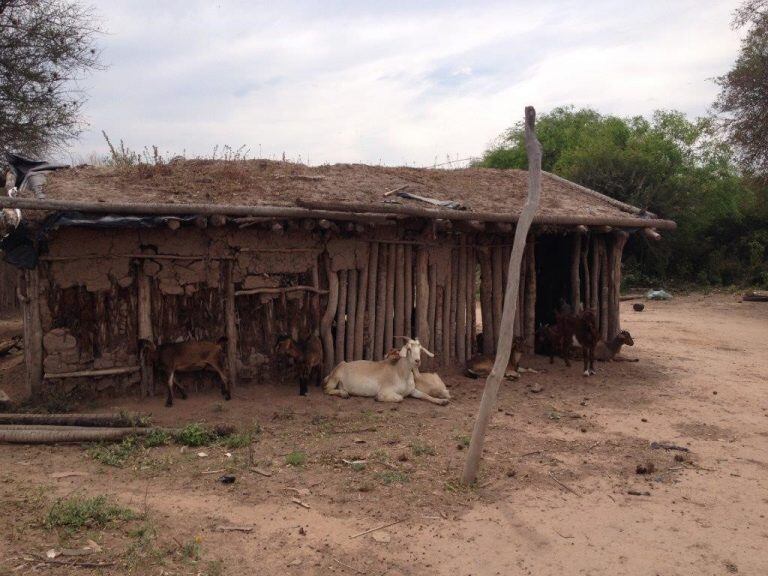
x=399 y=292
x=521 y=309
x=471 y=299
x=349 y=348
x=390 y=301
x=594 y=278
x=529 y=321
x=373 y=275
x=432 y=307
x=504 y=347
x=497 y=265
x=446 y=321
x=422 y=295
x=341 y=316
x=575 y=277
x=486 y=301
x=409 y=288
x=145 y=332
x=326 y=324
x=604 y=273
x=585 y=274
x=381 y=302
x=461 y=304
x=231 y=322
x=454 y=312
x=614 y=298
x=29 y=281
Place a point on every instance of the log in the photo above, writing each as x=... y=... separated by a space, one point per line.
x=341 y=315
x=230 y=319
x=284 y=290
x=409 y=290
x=372 y=280
x=497 y=263
x=92 y=373
x=575 y=276
x=33 y=331
x=470 y=300
x=504 y=347
x=529 y=321
x=117 y=420
x=42 y=435
x=432 y=306
x=445 y=319
x=585 y=274
x=173 y=223
x=422 y=296
x=521 y=310
x=486 y=300
x=316 y=298
x=218 y=220
x=362 y=300
x=652 y=234
x=146 y=335
x=389 y=305
x=326 y=324
x=594 y=278
x=461 y=304
x=381 y=301
x=454 y=312
x=604 y=273
x=349 y=347
x=399 y=292
x=614 y=310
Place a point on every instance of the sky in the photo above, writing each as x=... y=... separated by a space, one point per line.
x=388 y=82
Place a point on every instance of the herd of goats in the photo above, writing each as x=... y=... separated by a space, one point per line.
x=397 y=376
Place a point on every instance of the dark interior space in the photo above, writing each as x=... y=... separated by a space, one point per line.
x=553 y=252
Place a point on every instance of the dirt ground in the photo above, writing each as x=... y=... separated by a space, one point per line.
x=552 y=499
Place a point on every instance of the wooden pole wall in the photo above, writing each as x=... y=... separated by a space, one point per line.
x=461 y=304
x=497 y=264
x=341 y=316
x=486 y=301
x=604 y=274
x=33 y=330
x=529 y=321
x=373 y=274
x=432 y=304
x=349 y=344
x=230 y=315
x=390 y=299
x=422 y=296
x=409 y=289
x=381 y=311
x=575 y=275
x=146 y=336
x=326 y=324
x=399 y=292
x=453 y=314
x=470 y=301
x=614 y=299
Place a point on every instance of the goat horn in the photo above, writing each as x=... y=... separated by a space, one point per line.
x=404 y=338
x=427 y=352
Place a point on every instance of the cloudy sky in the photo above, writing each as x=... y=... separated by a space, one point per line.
x=389 y=82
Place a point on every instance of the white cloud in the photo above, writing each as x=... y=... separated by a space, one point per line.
x=391 y=83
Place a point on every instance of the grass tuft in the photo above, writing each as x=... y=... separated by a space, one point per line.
x=422 y=448
x=194 y=435
x=296 y=458
x=78 y=511
x=114 y=454
x=392 y=477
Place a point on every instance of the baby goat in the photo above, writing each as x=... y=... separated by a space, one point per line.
x=607 y=351
x=307 y=355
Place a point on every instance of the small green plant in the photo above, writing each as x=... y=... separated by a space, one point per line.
x=194 y=435
x=191 y=549
x=78 y=511
x=156 y=438
x=357 y=466
x=462 y=440
x=296 y=458
x=114 y=454
x=392 y=477
x=240 y=440
x=422 y=448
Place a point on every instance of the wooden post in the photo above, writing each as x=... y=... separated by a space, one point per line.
x=470 y=302
x=145 y=332
x=409 y=289
x=390 y=300
x=453 y=314
x=399 y=292
x=422 y=296
x=341 y=316
x=486 y=301
x=432 y=307
x=594 y=278
x=529 y=321
x=446 y=322
x=575 y=276
x=29 y=281
x=504 y=347
x=381 y=295
x=372 y=279
x=349 y=348
x=614 y=299
x=497 y=264
x=230 y=315
x=521 y=309
x=604 y=273
x=461 y=304
x=587 y=277
x=326 y=324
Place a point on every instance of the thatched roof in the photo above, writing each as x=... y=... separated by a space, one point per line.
x=353 y=187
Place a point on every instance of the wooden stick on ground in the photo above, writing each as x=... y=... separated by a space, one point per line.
x=504 y=347
x=375 y=529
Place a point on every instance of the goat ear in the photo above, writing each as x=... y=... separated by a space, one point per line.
x=403 y=351
x=427 y=352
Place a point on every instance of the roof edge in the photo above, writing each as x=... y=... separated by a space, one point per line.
x=599 y=195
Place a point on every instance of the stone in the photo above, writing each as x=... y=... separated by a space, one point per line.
x=59 y=340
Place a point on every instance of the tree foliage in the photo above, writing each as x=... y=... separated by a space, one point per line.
x=46 y=47
x=672 y=166
x=743 y=99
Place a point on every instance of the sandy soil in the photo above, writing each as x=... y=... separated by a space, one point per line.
x=552 y=498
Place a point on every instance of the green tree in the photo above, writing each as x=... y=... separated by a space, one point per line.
x=46 y=46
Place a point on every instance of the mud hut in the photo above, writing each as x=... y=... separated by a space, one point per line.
x=114 y=258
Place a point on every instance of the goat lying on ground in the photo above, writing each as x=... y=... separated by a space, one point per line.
x=307 y=355
x=481 y=365
x=190 y=356
x=387 y=380
x=607 y=351
x=558 y=339
x=428 y=382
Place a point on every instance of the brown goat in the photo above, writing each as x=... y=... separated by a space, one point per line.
x=607 y=351
x=481 y=365
x=307 y=354
x=191 y=356
x=558 y=339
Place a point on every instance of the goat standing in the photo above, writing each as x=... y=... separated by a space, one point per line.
x=307 y=354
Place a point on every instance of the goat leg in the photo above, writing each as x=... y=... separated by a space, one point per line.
x=424 y=396
x=302 y=385
x=169 y=399
x=181 y=390
x=225 y=389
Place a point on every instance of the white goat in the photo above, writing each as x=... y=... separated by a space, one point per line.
x=386 y=380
